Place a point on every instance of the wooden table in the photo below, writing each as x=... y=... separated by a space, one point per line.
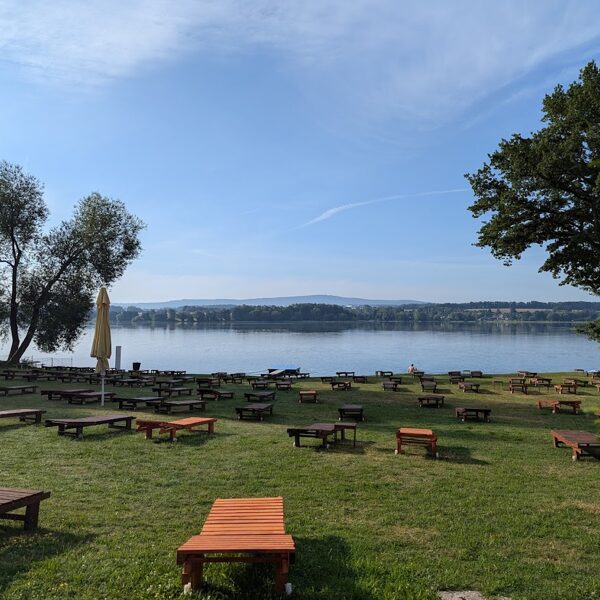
x=582 y=443
x=244 y=530
x=308 y=396
x=466 y=413
x=416 y=437
x=556 y=405
x=351 y=411
x=430 y=401
x=251 y=396
x=321 y=431
x=256 y=410
x=12 y=499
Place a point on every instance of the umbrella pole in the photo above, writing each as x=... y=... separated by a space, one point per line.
x=102 y=400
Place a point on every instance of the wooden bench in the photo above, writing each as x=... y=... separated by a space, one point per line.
x=308 y=396
x=384 y=373
x=261 y=384
x=467 y=413
x=191 y=424
x=390 y=386
x=212 y=394
x=173 y=391
x=582 y=443
x=321 y=431
x=25 y=415
x=556 y=405
x=416 y=437
x=259 y=396
x=360 y=379
x=89 y=397
x=62 y=394
x=428 y=386
x=284 y=385
x=430 y=401
x=351 y=411
x=131 y=403
x=468 y=386
x=569 y=388
x=518 y=387
x=341 y=385
x=255 y=410
x=240 y=530
x=12 y=499
x=5 y=390
x=64 y=425
x=169 y=406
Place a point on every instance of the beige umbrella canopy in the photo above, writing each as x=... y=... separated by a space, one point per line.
x=101 y=345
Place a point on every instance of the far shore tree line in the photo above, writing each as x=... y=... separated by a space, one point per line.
x=472 y=312
x=541 y=190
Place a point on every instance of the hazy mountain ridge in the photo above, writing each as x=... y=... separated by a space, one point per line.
x=278 y=301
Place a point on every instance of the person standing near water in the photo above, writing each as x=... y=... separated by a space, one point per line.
x=412 y=368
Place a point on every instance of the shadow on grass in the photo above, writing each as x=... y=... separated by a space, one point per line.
x=459 y=455
x=322 y=570
x=19 y=550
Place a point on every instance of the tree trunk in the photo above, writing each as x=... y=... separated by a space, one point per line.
x=14 y=311
x=15 y=357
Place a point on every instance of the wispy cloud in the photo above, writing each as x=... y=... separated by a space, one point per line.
x=336 y=210
x=420 y=61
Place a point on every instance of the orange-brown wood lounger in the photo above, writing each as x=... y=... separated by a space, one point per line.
x=25 y=415
x=65 y=425
x=12 y=499
x=556 y=405
x=582 y=443
x=191 y=424
x=240 y=530
x=416 y=437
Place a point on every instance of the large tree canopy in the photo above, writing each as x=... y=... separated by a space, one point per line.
x=545 y=189
x=50 y=276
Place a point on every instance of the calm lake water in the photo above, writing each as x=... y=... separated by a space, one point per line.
x=323 y=348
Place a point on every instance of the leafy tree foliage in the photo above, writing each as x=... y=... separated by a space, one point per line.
x=50 y=276
x=545 y=189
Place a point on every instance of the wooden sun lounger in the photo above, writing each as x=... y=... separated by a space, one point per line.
x=327 y=379
x=396 y=378
x=62 y=394
x=5 y=390
x=345 y=373
x=468 y=386
x=191 y=424
x=131 y=403
x=64 y=425
x=556 y=405
x=351 y=411
x=467 y=413
x=172 y=391
x=261 y=384
x=256 y=410
x=416 y=437
x=582 y=443
x=25 y=415
x=384 y=373
x=168 y=406
x=341 y=385
x=239 y=530
x=428 y=386
x=321 y=431
x=284 y=385
x=569 y=388
x=360 y=379
x=390 y=386
x=12 y=499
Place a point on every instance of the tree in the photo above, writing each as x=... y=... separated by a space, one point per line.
x=50 y=276
x=544 y=189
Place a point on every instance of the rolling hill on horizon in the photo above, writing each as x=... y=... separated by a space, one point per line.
x=277 y=301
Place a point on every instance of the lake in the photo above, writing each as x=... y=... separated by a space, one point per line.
x=323 y=348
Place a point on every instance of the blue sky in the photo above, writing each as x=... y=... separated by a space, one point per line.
x=288 y=148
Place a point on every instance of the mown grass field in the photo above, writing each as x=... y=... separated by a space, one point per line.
x=500 y=511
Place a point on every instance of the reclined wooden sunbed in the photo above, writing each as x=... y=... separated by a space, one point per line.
x=62 y=394
x=240 y=530
x=5 y=390
x=12 y=499
x=25 y=415
x=191 y=424
x=64 y=425
x=582 y=443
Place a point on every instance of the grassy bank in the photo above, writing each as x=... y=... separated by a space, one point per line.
x=501 y=511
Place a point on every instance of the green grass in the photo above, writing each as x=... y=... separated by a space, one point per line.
x=500 y=511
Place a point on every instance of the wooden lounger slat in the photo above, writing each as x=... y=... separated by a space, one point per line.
x=238 y=543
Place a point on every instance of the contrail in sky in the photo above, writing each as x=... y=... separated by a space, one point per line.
x=331 y=212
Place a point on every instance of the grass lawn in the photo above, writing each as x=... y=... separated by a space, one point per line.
x=501 y=511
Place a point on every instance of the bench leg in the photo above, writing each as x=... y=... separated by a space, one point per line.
x=31 y=516
x=282 y=569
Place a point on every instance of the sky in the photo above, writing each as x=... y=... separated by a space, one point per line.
x=289 y=148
